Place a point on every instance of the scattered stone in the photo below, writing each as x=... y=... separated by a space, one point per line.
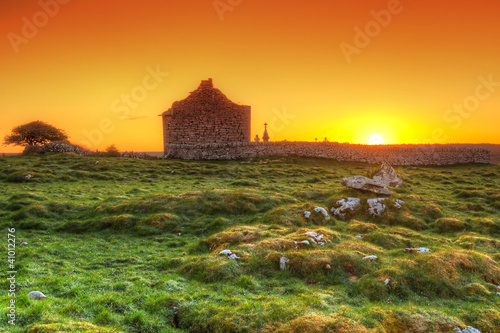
x=387 y=281
x=376 y=206
x=301 y=244
x=365 y=184
x=417 y=250
x=229 y=254
x=370 y=258
x=359 y=237
x=23 y=244
x=96 y=162
x=283 y=262
x=322 y=211
x=469 y=329
x=346 y=207
x=311 y=234
x=36 y=295
x=314 y=238
x=179 y=234
x=328 y=266
x=399 y=203
x=386 y=176
x=307 y=214
x=28 y=176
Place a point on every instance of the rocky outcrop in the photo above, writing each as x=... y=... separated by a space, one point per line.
x=365 y=184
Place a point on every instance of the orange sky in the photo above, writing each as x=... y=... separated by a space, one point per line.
x=427 y=71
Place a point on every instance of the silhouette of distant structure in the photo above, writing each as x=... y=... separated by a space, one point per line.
x=205 y=116
x=265 y=137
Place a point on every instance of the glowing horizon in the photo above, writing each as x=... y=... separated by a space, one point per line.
x=411 y=71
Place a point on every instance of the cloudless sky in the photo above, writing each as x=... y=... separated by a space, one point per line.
x=426 y=71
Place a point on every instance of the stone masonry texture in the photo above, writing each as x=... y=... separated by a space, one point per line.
x=205 y=116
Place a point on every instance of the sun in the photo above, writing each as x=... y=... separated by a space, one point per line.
x=376 y=139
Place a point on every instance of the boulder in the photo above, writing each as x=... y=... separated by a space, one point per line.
x=386 y=176
x=365 y=184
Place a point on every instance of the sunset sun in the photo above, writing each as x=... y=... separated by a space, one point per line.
x=376 y=139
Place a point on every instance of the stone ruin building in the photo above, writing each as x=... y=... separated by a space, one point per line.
x=206 y=116
x=207 y=125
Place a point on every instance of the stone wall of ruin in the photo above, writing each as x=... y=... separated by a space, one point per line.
x=396 y=155
x=206 y=116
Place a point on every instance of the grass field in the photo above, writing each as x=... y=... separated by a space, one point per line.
x=133 y=246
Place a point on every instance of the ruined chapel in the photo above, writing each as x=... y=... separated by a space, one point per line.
x=206 y=116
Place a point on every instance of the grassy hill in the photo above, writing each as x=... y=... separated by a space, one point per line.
x=123 y=245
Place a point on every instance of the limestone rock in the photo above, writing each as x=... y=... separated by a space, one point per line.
x=345 y=207
x=307 y=214
x=314 y=238
x=399 y=203
x=36 y=295
x=370 y=258
x=469 y=329
x=417 y=250
x=365 y=184
x=386 y=176
x=23 y=244
x=376 y=206
x=322 y=211
x=283 y=262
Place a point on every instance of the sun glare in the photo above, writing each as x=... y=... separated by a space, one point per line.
x=376 y=139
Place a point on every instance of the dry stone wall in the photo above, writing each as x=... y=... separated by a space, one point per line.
x=395 y=155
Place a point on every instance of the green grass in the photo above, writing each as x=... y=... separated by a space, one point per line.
x=129 y=245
